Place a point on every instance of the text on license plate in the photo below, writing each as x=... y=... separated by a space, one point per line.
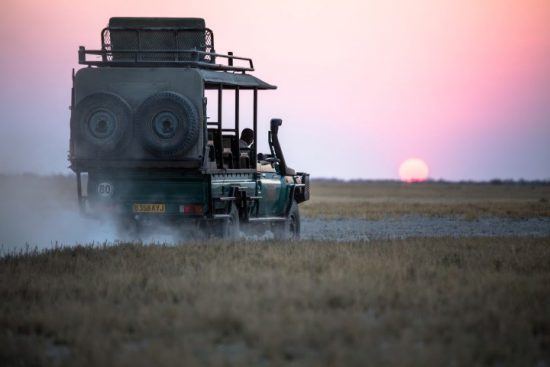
x=149 y=208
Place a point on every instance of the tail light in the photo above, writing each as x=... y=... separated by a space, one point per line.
x=196 y=209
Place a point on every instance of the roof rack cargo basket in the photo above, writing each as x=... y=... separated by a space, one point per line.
x=160 y=42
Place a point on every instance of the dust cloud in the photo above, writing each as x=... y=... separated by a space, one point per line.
x=42 y=212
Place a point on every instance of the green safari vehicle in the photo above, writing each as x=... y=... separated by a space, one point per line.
x=144 y=152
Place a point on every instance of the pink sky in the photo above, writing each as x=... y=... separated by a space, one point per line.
x=363 y=85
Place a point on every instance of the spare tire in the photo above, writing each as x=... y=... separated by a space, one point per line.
x=168 y=124
x=102 y=120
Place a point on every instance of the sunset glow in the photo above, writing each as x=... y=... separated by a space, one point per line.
x=413 y=170
x=362 y=83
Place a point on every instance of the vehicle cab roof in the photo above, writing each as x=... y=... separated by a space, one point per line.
x=179 y=43
x=212 y=79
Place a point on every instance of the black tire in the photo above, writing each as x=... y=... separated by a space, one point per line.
x=167 y=124
x=231 y=229
x=289 y=230
x=102 y=120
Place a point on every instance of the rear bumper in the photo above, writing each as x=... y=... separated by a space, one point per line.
x=123 y=211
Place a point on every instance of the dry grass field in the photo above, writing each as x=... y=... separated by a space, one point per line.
x=417 y=302
x=380 y=199
x=460 y=301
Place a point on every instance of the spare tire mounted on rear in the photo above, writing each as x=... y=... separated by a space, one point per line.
x=103 y=120
x=167 y=124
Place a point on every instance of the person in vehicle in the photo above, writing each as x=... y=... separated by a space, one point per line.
x=247 y=138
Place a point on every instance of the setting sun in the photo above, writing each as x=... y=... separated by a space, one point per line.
x=413 y=170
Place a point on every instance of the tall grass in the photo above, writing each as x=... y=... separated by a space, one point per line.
x=417 y=302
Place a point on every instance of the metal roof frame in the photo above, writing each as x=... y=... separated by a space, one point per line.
x=212 y=79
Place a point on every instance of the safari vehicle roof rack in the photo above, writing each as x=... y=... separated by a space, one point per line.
x=167 y=42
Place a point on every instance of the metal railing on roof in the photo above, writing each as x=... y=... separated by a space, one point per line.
x=161 y=46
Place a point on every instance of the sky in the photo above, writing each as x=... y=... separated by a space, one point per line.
x=362 y=85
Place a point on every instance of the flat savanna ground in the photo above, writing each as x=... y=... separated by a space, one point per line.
x=375 y=200
x=457 y=301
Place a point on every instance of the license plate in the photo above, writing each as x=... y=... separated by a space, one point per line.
x=149 y=208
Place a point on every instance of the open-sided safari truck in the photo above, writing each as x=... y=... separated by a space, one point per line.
x=143 y=150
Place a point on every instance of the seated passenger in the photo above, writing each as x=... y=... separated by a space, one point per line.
x=247 y=139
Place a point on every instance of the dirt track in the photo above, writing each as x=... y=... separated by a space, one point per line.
x=55 y=232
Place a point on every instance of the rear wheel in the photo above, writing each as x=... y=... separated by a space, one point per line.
x=231 y=228
x=289 y=230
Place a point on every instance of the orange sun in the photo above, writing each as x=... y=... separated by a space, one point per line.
x=413 y=170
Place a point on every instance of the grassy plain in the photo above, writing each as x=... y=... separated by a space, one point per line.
x=416 y=302
x=413 y=302
x=380 y=199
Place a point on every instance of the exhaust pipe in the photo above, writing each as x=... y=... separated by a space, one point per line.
x=275 y=123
